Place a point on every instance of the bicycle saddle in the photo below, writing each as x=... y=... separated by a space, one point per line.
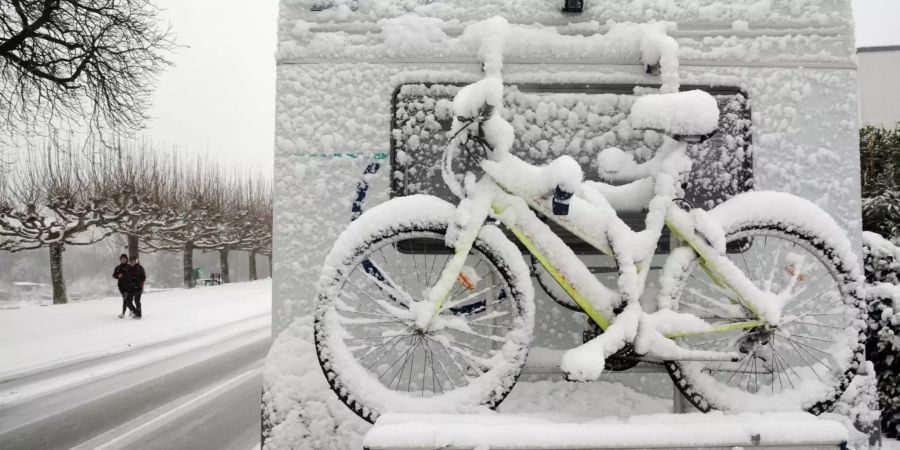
x=691 y=116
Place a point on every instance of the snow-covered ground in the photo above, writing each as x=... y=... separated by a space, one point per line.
x=185 y=376
x=41 y=338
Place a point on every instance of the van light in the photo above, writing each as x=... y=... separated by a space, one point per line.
x=573 y=6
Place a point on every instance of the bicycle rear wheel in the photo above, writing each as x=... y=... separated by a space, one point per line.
x=809 y=359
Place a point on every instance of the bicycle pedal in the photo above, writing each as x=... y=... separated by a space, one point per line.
x=568 y=378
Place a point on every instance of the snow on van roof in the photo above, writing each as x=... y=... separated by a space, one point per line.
x=803 y=32
x=812 y=13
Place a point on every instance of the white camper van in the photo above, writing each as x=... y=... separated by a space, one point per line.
x=364 y=109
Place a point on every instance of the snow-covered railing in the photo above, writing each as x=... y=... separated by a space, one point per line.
x=660 y=431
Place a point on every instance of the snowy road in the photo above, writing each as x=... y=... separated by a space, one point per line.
x=195 y=388
x=134 y=408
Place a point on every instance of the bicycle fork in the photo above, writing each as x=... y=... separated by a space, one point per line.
x=471 y=214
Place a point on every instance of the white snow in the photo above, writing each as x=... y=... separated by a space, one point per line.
x=690 y=113
x=39 y=338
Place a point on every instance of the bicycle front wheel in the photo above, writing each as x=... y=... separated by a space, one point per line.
x=379 y=271
x=809 y=359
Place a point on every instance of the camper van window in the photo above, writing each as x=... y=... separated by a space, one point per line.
x=576 y=120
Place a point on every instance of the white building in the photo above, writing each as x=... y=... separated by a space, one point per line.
x=879 y=85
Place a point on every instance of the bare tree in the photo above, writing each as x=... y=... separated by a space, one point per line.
x=256 y=233
x=229 y=211
x=87 y=62
x=135 y=181
x=193 y=200
x=51 y=201
x=61 y=197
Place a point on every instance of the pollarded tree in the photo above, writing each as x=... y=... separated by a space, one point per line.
x=52 y=202
x=245 y=213
x=86 y=62
x=193 y=217
x=229 y=206
x=256 y=236
x=135 y=179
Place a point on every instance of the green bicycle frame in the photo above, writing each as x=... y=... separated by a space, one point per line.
x=700 y=248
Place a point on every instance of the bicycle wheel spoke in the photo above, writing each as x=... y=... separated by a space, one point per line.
x=799 y=353
x=810 y=337
x=829 y=289
x=817 y=325
x=784 y=365
x=775 y=365
x=770 y=279
x=378 y=337
x=386 y=308
x=738 y=370
x=468 y=347
x=468 y=357
x=450 y=357
x=394 y=364
x=390 y=275
x=412 y=361
x=386 y=352
x=425 y=369
x=805 y=347
x=390 y=288
x=451 y=304
x=375 y=312
x=373 y=348
x=471 y=332
x=443 y=368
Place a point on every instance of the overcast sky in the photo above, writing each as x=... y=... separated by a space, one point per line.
x=219 y=96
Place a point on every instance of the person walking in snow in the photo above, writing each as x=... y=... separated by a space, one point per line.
x=134 y=286
x=119 y=275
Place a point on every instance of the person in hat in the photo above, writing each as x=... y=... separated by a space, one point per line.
x=119 y=275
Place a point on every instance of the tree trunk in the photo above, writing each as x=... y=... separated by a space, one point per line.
x=252 y=262
x=223 y=265
x=270 y=266
x=189 y=280
x=56 y=274
x=133 y=246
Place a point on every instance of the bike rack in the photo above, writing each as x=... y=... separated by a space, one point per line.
x=658 y=431
x=546 y=361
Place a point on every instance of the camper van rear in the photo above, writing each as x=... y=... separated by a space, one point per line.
x=363 y=111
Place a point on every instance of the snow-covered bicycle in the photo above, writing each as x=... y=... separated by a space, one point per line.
x=427 y=306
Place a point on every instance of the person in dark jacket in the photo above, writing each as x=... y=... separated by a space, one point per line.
x=134 y=286
x=119 y=275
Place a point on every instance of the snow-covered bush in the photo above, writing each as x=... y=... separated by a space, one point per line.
x=882 y=265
